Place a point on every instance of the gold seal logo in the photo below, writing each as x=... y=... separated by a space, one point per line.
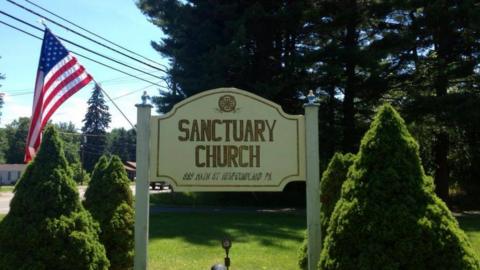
x=227 y=103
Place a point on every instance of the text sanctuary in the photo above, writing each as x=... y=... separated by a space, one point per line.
x=222 y=131
x=232 y=130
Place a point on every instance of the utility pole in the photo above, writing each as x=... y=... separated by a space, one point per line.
x=82 y=148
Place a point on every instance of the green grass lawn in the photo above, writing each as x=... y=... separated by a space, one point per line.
x=260 y=241
x=471 y=225
x=192 y=241
x=6 y=188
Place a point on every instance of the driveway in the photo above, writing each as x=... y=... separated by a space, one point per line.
x=6 y=197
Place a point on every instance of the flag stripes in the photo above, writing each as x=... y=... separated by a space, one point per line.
x=59 y=76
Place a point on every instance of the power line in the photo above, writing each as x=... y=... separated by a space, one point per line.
x=90 y=32
x=29 y=90
x=115 y=104
x=114 y=80
x=132 y=92
x=21 y=94
x=114 y=98
x=82 y=35
x=20 y=90
x=82 y=47
x=86 y=57
x=106 y=94
x=120 y=79
x=83 y=134
x=86 y=134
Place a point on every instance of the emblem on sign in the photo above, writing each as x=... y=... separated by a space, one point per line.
x=227 y=103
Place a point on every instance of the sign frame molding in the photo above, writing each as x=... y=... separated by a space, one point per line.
x=156 y=175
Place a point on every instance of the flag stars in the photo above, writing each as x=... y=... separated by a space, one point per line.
x=52 y=52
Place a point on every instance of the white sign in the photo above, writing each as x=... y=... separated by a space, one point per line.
x=227 y=140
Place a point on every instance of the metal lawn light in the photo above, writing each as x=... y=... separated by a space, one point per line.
x=227 y=244
x=218 y=267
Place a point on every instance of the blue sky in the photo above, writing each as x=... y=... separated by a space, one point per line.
x=117 y=20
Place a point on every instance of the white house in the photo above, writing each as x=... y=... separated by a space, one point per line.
x=10 y=173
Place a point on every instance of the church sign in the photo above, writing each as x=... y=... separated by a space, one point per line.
x=227 y=140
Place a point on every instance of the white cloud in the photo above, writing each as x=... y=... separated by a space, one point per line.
x=12 y=111
x=73 y=110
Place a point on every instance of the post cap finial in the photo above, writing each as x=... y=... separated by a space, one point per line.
x=145 y=98
x=311 y=97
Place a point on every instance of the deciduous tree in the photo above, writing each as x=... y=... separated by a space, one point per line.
x=122 y=143
x=17 y=133
x=2 y=77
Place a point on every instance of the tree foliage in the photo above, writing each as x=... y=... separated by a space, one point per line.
x=1 y=103
x=97 y=119
x=388 y=216
x=122 y=143
x=245 y=44
x=330 y=186
x=3 y=145
x=71 y=141
x=16 y=133
x=442 y=75
x=347 y=49
x=71 y=144
x=2 y=77
x=79 y=175
x=422 y=56
x=47 y=227
x=110 y=201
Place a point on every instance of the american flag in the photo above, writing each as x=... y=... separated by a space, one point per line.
x=59 y=76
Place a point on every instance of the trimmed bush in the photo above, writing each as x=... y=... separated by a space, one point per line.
x=109 y=199
x=330 y=187
x=388 y=216
x=80 y=176
x=303 y=253
x=47 y=226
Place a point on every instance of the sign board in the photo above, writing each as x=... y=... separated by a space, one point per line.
x=227 y=140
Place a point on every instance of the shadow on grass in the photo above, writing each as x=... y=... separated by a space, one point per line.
x=469 y=223
x=209 y=228
x=292 y=196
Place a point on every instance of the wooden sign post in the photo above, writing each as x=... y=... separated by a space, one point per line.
x=227 y=139
x=142 y=199
x=313 y=186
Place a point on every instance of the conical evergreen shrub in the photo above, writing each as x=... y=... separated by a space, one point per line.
x=47 y=227
x=109 y=199
x=330 y=187
x=388 y=216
